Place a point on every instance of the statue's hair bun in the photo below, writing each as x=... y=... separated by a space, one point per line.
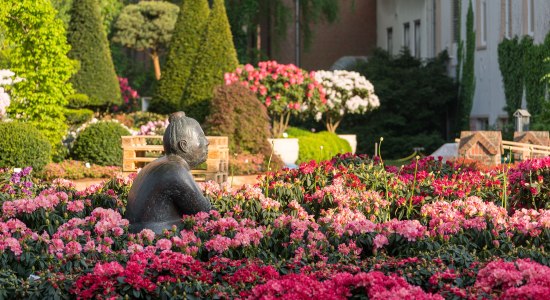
x=175 y=116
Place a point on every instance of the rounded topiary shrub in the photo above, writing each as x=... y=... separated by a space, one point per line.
x=100 y=143
x=318 y=146
x=22 y=145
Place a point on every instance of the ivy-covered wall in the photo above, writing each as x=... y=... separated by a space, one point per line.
x=523 y=68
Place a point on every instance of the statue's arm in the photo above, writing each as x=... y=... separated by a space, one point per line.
x=191 y=200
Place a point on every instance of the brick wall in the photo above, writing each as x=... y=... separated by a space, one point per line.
x=353 y=34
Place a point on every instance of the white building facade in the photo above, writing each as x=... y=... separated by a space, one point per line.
x=428 y=27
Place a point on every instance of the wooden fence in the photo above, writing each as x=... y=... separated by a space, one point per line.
x=525 y=151
x=522 y=151
x=141 y=149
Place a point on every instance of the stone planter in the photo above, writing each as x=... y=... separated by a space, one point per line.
x=352 y=140
x=287 y=149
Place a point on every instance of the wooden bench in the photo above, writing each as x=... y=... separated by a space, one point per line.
x=138 y=150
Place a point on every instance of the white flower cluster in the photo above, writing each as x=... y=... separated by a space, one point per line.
x=347 y=92
x=6 y=78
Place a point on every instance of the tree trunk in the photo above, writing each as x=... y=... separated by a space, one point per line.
x=156 y=63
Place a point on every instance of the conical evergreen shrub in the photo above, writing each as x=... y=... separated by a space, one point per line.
x=216 y=56
x=189 y=33
x=89 y=45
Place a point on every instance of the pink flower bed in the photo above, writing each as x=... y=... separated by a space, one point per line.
x=332 y=230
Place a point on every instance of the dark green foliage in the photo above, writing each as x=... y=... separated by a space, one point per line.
x=96 y=76
x=100 y=144
x=128 y=64
x=239 y=115
x=318 y=146
x=22 y=145
x=415 y=101
x=186 y=40
x=78 y=116
x=467 y=81
x=510 y=54
x=522 y=67
x=216 y=56
x=534 y=70
x=147 y=25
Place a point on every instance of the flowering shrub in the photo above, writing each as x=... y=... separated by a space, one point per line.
x=330 y=230
x=284 y=89
x=14 y=185
x=529 y=184
x=347 y=92
x=153 y=128
x=130 y=97
x=72 y=169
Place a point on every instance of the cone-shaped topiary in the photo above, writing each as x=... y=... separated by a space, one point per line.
x=96 y=76
x=216 y=56
x=22 y=145
x=100 y=144
x=188 y=36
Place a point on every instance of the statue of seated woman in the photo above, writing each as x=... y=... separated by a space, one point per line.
x=165 y=190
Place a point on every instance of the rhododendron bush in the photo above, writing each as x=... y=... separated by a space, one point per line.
x=347 y=92
x=339 y=229
x=285 y=90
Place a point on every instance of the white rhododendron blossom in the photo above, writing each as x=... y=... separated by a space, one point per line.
x=346 y=92
x=6 y=79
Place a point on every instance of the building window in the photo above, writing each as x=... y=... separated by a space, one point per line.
x=531 y=17
x=390 y=40
x=417 y=38
x=479 y=123
x=456 y=20
x=407 y=36
x=508 y=19
x=481 y=24
x=501 y=123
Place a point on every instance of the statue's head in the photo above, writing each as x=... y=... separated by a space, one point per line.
x=184 y=137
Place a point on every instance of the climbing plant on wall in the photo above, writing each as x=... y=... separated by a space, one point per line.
x=510 y=54
x=522 y=65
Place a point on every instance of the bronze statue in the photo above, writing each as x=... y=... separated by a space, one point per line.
x=165 y=190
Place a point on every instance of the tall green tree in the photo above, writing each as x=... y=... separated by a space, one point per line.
x=216 y=56
x=189 y=34
x=467 y=85
x=96 y=76
x=38 y=54
x=147 y=26
x=414 y=98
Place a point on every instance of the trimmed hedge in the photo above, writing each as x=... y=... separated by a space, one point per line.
x=186 y=40
x=215 y=57
x=78 y=116
x=318 y=146
x=22 y=145
x=100 y=144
